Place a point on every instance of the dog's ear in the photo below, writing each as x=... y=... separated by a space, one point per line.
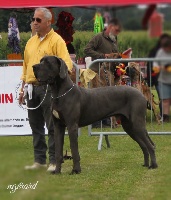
x=63 y=68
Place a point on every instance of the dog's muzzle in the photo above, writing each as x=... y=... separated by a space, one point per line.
x=50 y=80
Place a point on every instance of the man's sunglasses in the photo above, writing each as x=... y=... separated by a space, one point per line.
x=36 y=19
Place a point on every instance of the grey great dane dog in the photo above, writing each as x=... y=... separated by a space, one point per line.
x=74 y=107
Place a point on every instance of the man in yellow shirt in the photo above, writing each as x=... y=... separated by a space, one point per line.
x=45 y=42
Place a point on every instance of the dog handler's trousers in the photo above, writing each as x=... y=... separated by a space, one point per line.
x=37 y=120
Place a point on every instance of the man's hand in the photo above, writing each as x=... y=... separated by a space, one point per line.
x=21 y=98
x=112 y=55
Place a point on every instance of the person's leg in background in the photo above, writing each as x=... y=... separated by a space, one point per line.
x=165 y=96
x=160 y=102
x=166 y=109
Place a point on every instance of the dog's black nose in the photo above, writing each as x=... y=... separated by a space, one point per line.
x=35 y=70
x=35 y=66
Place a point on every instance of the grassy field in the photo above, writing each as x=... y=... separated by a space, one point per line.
x=110 y=174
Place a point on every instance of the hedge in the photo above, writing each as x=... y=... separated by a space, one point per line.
x=139 y=41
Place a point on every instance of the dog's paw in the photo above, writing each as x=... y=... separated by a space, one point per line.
x=55 y=172
x=52 y=172
x=153 y=166
x=67 y=158
x=146 y=165
x=75 y=172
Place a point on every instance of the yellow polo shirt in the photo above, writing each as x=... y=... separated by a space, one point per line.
x=51 y=45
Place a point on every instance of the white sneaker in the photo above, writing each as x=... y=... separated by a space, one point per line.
x=35 y=166
x=51 y=168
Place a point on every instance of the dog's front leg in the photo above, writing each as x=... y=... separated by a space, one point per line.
x=59 y=133
x=73 y=137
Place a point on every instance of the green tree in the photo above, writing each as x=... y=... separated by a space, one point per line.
x=130 y=17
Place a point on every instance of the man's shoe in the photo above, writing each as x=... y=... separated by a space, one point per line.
x=165 y=118
x=36 y=165
x=51 y=168
x=106 y=122
x=96 y=125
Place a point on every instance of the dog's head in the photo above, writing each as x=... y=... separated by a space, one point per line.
x=133 y=70
x=50 y=68
x=112 y=65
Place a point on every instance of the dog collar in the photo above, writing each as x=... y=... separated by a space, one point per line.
x=64 y=93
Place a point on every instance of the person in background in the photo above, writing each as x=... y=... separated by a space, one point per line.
x=152 y=75
x=65 y=29
x=44 y=42
x=164 y=78
x=70 y=48
x=103 y=44
x=13 y=34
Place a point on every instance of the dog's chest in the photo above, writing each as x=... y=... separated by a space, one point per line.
x=58 y=115
x=55 y=113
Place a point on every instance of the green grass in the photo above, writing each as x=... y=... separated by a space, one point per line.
x=110 y=174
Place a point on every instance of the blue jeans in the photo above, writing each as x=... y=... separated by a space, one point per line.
x=164 y=90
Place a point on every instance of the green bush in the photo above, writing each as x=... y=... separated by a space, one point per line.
x=139 y=41
x=5 y=50
x=80 y=41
